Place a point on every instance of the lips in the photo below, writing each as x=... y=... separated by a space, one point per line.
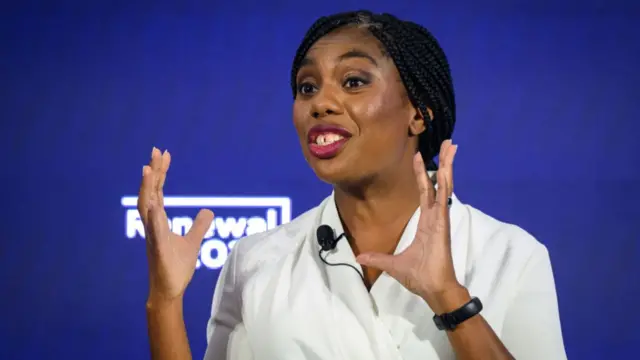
x=326 y=141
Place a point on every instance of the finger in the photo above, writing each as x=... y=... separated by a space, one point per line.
x=442 y=194
x=165 y=161
x=156 y=165
x=164 y=167
x=425 y=186
x=446 y=163
x=155 y=198
x=383 y=262
x=452 y=154
x=200 y=226
x=144 y=195
x=443 y=147
x=443 y=157
x=156 y=159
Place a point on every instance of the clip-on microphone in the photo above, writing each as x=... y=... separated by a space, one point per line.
x=328 y=241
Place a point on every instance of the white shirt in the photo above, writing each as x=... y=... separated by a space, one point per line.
x=276 y=300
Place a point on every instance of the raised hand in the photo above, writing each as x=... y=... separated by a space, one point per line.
x=426 y=266
x=172 y=258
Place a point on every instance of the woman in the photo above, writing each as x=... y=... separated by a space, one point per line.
x=385 y=267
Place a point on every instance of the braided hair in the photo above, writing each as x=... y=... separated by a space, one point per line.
x=421 y=62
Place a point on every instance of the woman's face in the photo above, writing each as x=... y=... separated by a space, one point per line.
x=352 y=114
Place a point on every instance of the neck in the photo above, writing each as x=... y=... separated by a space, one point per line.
x=383 y=205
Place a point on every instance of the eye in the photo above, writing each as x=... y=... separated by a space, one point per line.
x=306 y=88
x=354 y=82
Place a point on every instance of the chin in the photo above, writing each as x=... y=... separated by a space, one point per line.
x=336 y=171
x=332 y=171
x=328 y=170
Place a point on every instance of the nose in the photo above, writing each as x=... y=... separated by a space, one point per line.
x=325 y=103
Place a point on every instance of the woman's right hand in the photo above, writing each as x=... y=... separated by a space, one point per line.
x=172 y=258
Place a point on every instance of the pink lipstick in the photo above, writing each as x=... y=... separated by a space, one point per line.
x=326 y=141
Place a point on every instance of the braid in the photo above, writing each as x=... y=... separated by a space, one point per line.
x=421 y=63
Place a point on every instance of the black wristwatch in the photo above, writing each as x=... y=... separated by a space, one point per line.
x=449 y=321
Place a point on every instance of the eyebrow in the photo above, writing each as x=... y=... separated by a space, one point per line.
x=357 y=54
x=351 y=54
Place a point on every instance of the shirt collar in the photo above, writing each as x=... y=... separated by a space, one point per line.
x=329 y=216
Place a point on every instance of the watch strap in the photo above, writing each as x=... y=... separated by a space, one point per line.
x=449 y=321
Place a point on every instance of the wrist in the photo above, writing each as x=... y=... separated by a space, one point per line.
x=448 y=300
x=159 y=303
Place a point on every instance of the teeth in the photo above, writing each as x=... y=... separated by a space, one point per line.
x=326 y=139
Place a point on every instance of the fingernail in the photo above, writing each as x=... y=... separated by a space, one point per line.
x=153 y=151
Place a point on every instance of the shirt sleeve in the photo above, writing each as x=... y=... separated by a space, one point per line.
x=226 y=336
x=532 y=327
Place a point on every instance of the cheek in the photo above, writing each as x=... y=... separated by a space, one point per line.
x=378 y=115
x=366 y=111
x=299 y=111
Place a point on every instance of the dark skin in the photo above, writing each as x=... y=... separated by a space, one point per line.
x=346 y=80
x=378 y=183
x=362 y=93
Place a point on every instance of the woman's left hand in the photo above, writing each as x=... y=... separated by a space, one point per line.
x=426 y=266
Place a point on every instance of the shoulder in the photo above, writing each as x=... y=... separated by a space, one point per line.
x=503 y=252
x=490 y=236
x=510 y=270
x=254 y=251
x=248 y=255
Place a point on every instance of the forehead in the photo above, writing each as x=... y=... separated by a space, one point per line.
x=346 y=39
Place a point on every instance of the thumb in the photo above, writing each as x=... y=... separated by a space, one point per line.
x=200 y=226
x=384 y=262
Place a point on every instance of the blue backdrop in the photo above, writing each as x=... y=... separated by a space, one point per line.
x=547 y=95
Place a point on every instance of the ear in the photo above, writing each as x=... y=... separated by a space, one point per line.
x=418 y=124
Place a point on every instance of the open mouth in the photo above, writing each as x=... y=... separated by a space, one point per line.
x=326 y=141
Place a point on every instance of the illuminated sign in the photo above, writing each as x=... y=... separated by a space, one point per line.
x=235 y=217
